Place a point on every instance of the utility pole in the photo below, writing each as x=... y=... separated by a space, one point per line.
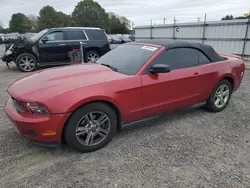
x=175 y=21
x=164 y=21
x=133 y=29
x=204 y=29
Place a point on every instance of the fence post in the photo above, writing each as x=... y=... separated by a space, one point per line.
x=151 y=28
x=245 y=40
x=204 y=29
x=174 y=28
x=133 y=30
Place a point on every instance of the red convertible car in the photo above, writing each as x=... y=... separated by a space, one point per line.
x=85 y=105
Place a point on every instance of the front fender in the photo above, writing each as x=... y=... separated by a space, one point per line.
x=92 y=99
x=68 y=101
x=25 y=48
x=8 y=58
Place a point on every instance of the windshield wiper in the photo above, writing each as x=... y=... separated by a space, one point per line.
x=109 y=66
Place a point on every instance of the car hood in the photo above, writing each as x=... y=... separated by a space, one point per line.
x=45 y=84
x=22 y=43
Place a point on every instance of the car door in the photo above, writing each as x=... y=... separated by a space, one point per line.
x=179 y=88
x=52 y=48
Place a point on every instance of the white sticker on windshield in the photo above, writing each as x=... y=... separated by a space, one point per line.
x=149 y=48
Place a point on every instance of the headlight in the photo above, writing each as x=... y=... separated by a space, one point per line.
x=8 y=52
x=37 y=108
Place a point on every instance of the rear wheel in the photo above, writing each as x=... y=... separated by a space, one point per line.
x=91 y=56
x=220 y=96
x=26 y=62
x=91 y=127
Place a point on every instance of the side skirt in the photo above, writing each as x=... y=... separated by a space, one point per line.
x=126 y=125
x=53 y=64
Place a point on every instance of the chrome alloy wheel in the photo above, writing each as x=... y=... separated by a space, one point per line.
x=27 y=63
x=221 y=96
x=93 y=128
x=92 y=57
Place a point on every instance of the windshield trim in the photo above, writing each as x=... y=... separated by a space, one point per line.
x=39 y=35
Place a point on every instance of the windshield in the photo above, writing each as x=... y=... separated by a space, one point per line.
x=38 y=35
x=128 y=58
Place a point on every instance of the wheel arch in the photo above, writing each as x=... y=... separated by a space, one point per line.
x=26 y=52
x=230 y=79
x=210 y=102
x=96 y=49
x=109 y=103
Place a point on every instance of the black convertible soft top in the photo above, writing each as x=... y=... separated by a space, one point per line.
x=171 y=44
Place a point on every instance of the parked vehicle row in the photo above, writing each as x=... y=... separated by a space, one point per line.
x=120 y=39
x=102 y=97
x=28 y=35
x=52 y=46
x=10 y=37
x=13 y=37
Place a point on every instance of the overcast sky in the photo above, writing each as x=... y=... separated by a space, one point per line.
x=138 y=11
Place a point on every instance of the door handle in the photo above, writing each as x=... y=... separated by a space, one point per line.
x=62 y=44
x=196 y=74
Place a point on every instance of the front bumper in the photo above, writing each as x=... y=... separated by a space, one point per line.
x=40 y=129
x=9 y=55
x=8 y=58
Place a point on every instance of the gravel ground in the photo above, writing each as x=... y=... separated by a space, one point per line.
x=188 y=148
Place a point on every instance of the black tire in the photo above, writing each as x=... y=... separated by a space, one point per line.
x=89 y=53
x=70 y=128
x=210 y=103
x=30 y=57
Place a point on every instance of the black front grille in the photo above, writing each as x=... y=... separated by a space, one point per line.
x=17 y=105
x=32 y=133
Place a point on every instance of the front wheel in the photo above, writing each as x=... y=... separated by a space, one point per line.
x=220 y=96
x=91 y=127
x=26 y=62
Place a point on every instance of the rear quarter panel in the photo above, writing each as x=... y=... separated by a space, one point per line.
x=212 y=73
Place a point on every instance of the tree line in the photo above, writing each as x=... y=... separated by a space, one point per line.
x=231 y=17
x=87 y=13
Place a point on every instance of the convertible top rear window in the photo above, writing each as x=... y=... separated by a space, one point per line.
x=128 y=58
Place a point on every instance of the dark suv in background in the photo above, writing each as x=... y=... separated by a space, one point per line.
x=51 y=47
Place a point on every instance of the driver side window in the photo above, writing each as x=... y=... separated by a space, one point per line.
x=55 y=36
x=177 y=58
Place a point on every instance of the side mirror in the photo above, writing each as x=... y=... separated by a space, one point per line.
x=45 y=39
x=159 y=68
